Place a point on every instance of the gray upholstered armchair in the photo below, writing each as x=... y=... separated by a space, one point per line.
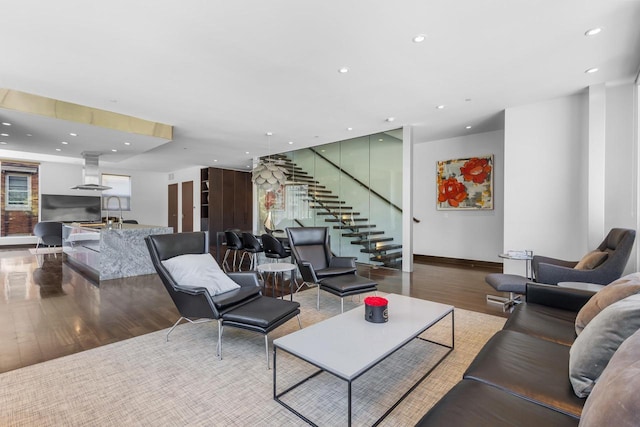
x=617 y=246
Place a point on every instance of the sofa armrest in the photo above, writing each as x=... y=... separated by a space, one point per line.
x=553 y=296
x=554 y=274
x=342 y=261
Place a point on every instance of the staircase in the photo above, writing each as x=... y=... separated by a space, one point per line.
x=339 y=215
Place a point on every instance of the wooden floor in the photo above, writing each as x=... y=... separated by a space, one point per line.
x=48 y=310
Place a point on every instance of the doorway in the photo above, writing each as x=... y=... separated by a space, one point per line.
x=173 y=207
x=187 y=206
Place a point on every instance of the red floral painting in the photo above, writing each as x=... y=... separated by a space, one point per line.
x=465 y=183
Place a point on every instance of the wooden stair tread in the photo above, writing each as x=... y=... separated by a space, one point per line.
x=337 y=213
x=371 y=241
x=345 y=219
x=363 y=233
x=387 y=257
x=381 y=248
x=345 y=227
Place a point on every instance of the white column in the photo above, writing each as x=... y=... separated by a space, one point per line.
x=596 y=164
x=407 y=198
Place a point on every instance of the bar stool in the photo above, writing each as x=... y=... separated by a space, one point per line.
x=273 y=248
x=234 y=243
x=253 y=247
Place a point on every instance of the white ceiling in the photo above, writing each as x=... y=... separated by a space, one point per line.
x=224 y=73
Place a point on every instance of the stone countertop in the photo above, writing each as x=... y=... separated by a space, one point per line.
x=116 y=226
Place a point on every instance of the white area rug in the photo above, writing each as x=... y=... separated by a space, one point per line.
x=147 y=381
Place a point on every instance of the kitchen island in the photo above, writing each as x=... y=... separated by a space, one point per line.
x=103 y=254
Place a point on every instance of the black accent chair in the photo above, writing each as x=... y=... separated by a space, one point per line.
x=244 y=308
x=252 y=247
x=234 y=244
x=618 y=245
x=337 y=275
x=49 y=233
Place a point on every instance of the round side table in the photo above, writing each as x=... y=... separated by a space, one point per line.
x=278 y=268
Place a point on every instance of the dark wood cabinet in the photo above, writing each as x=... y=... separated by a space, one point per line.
x=226 y=198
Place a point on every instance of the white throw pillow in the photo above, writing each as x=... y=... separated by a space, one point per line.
x=199 y=271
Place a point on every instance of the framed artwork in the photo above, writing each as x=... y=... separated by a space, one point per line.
x=465 y=183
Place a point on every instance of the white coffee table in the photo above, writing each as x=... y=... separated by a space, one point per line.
x=278 y=268
x=347 y=345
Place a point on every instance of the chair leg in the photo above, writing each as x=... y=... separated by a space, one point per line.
x=341 y=304
x=299 y=323
x=225 y=262
x=173 y=327
x=318 y=303
x=219 y=349
x=266 y=347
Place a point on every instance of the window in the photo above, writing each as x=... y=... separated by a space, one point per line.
x=120 y=190
x=18 y=192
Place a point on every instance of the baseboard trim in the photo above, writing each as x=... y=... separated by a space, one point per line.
x=458 y=262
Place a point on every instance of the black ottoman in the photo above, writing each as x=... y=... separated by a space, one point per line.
x=345 y=285
x=512 y=283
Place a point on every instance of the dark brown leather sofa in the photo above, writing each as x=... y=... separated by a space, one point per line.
x=521 y=376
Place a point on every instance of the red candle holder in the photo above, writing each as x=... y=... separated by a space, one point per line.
x=376 y=309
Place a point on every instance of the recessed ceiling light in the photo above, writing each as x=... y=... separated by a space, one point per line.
x=343 y=70
x=127 y=143
x=269 y=133
x=419 y=38
x=468 y=127
x=249 y=166
x=390 y=119
x=593 y=31
x=6 y=124
x=4 y=134
x=64 y=143
x=58 y=149
x=114 y=150
x=29 y=134
x=3 y=142
x=380 y=139
x=440 y=107
x=215 y=160
x=323 y=150
x=246 y=152
x=591 y=70
x=73 y=134
x=349 y=128
x=290 y=142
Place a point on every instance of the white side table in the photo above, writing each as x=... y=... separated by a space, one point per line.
x=281 y=268
x=593 y=287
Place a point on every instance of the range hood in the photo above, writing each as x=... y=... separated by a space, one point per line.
x=90 y=173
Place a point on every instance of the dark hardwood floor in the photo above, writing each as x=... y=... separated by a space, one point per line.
x=48 y=310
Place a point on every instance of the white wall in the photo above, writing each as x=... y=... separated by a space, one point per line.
x=473 y=235
x=621 y=190
x=545 y=179
x=547 y=192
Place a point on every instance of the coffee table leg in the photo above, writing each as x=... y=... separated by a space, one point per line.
x=349 y=404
